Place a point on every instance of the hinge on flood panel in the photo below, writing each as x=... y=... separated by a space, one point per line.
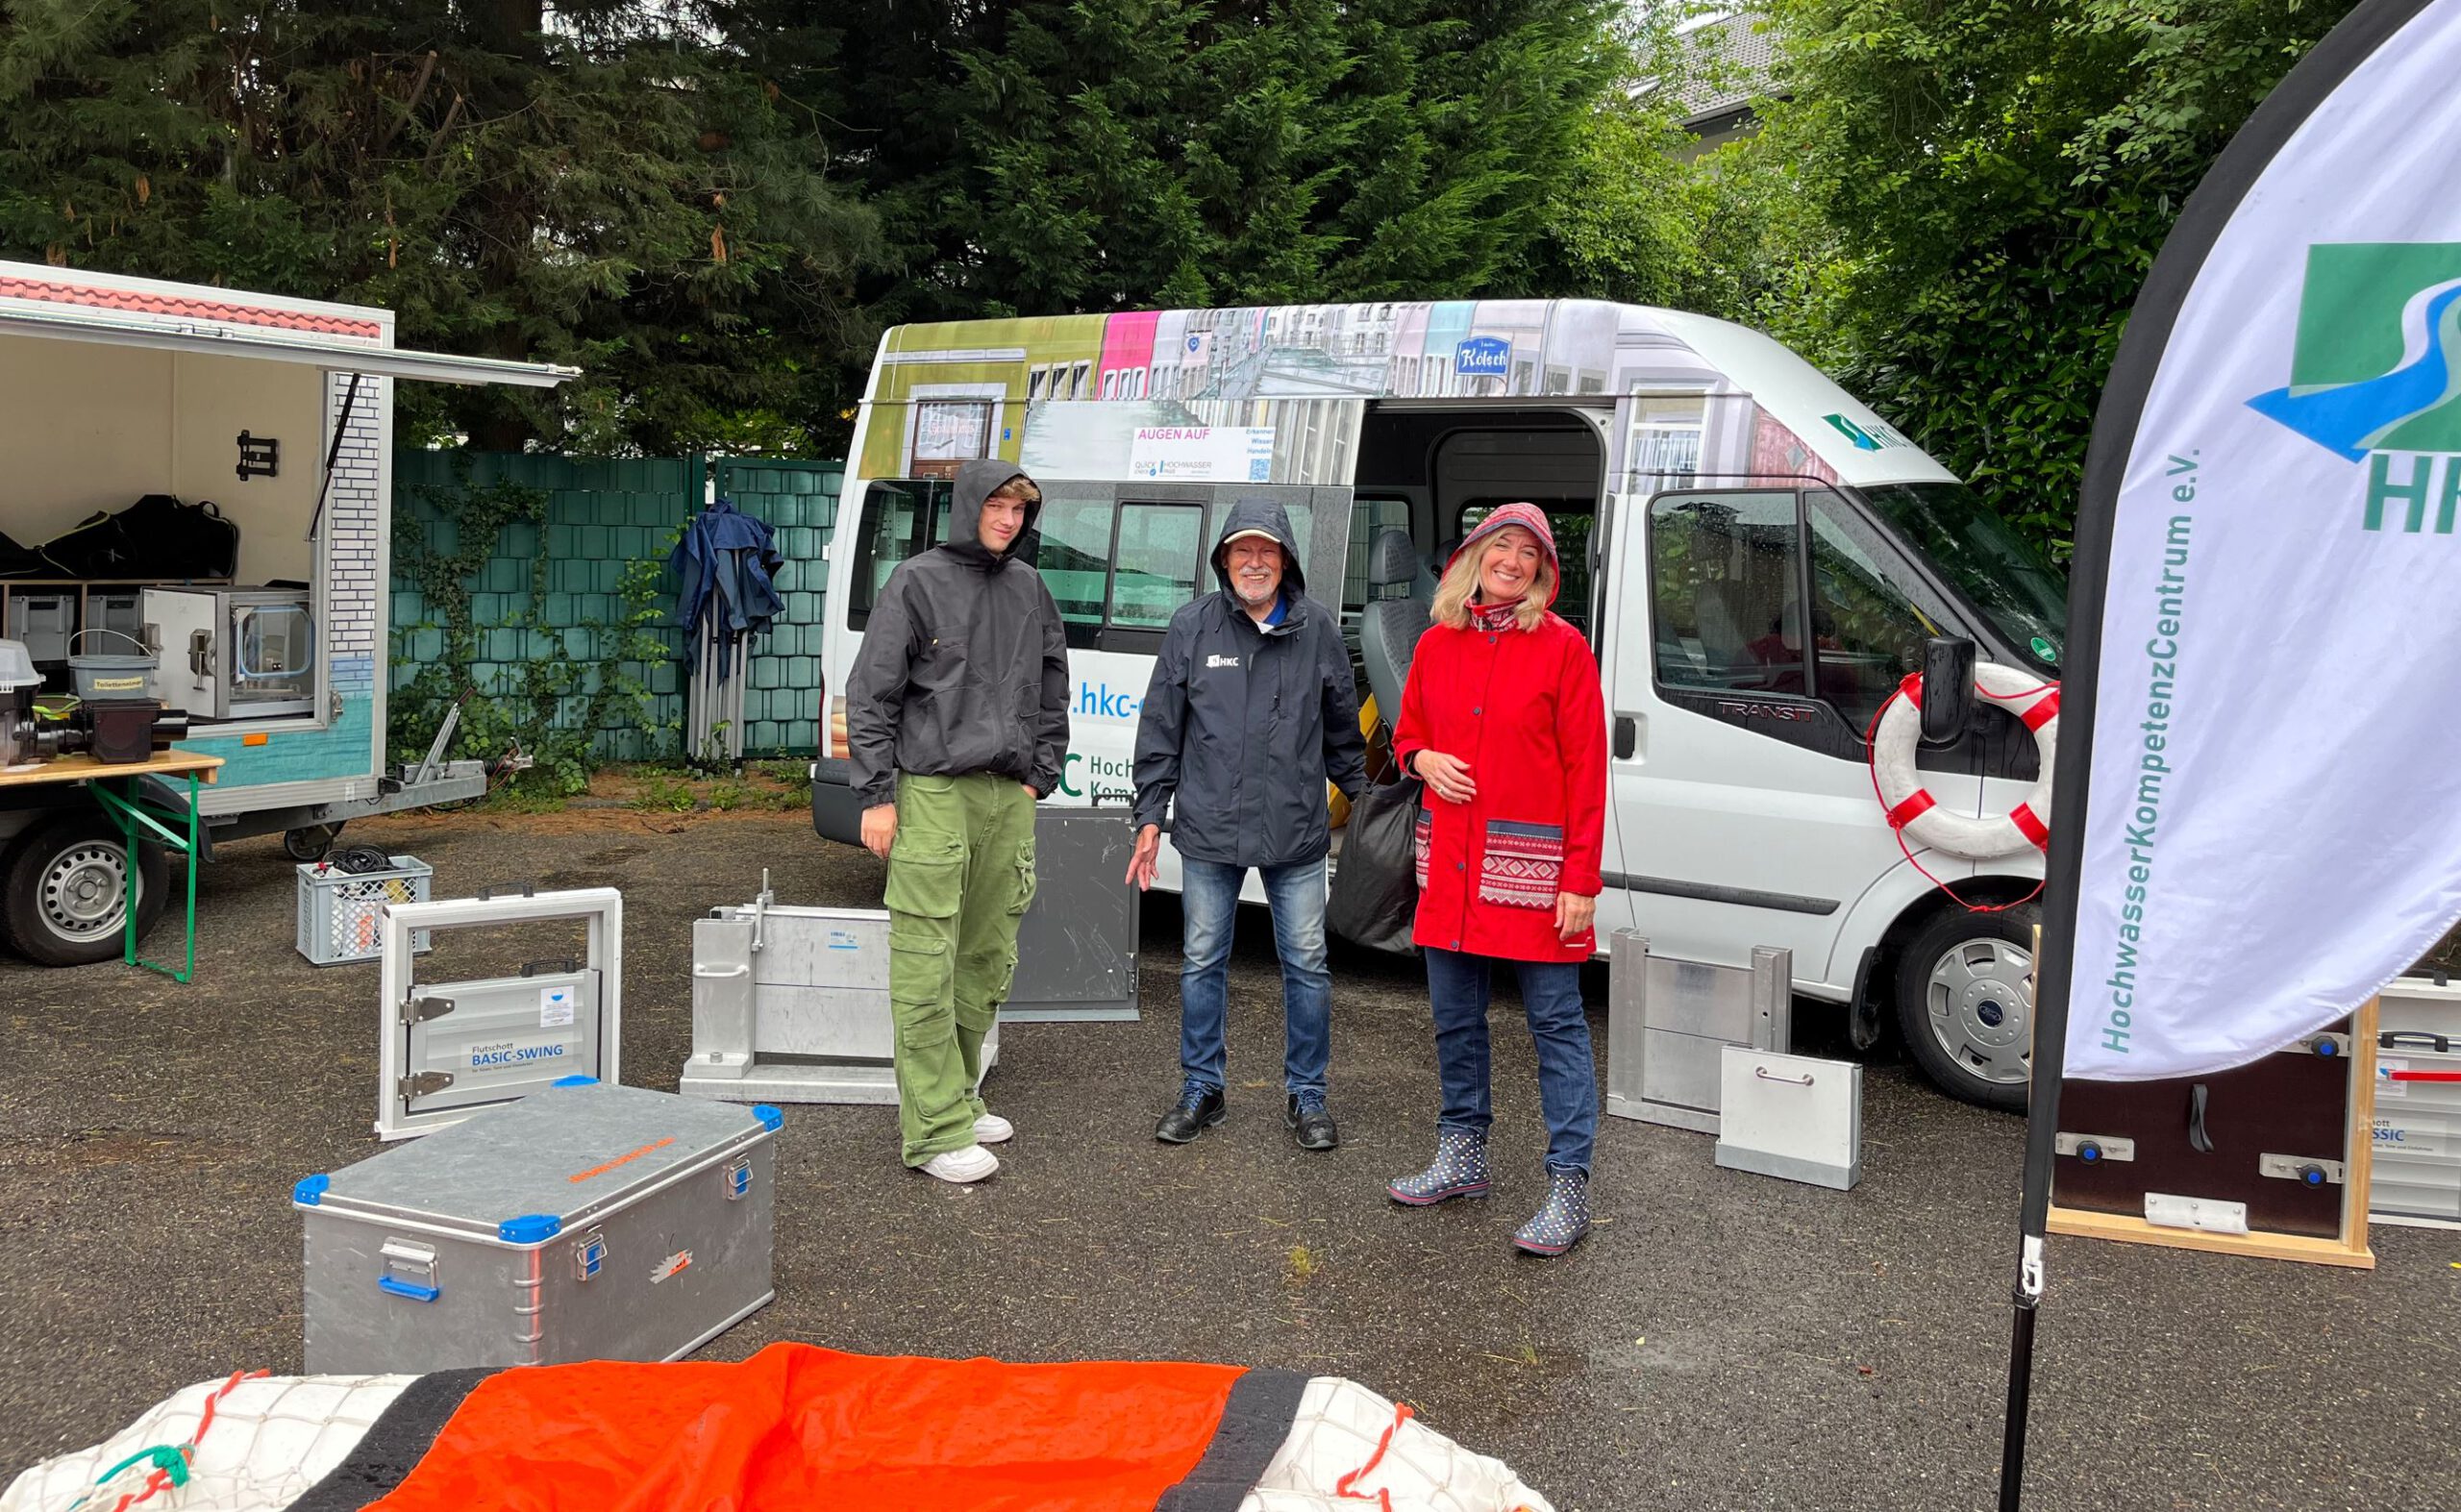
x=2304 y=1172
x=425 y=1083
x=420 y=1009
x=2094 y=1149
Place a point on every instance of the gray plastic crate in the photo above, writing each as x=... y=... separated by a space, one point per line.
x=337 y=909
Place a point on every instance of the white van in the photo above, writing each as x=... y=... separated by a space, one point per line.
x=1714 y=497
x=279 y=411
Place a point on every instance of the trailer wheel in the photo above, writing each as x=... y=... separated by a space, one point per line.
x=63 y=887
x=1965 y=1003
x=310 y=842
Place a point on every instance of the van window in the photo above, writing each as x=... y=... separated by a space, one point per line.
x=1723 y=569
x=1869 y=617
x=1074 y=558
x=1161 y=547
x=901 y=516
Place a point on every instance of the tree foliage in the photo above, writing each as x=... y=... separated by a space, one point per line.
x=1054 y=156
x=1957 y=208
x=625 y=192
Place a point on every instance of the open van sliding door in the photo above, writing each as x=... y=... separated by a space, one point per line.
x=1761 y=626
x=1120 y=558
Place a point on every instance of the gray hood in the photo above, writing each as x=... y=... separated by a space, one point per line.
x=975 y=481
x=1259 y=514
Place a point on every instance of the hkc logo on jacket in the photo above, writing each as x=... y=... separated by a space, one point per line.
x=2272 y=825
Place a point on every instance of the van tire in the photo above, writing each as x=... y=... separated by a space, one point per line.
x=50 y=910
x=1965 y=1003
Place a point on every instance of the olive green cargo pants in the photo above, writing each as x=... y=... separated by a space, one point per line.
x=960 y=874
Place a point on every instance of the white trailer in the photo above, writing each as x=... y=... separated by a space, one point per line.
x=119 y=388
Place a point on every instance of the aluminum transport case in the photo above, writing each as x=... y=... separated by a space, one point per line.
x=584 y=1221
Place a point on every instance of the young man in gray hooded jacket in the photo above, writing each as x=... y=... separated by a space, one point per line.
x=1250 y=712
x=957 y=719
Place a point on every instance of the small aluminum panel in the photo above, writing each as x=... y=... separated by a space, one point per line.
x=1076 y=947
x=473 y=1042
x=1668 y=1021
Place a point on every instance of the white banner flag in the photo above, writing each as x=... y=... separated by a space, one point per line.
x=2273 y=824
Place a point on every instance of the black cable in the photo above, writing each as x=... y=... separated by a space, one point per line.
x=359 y=859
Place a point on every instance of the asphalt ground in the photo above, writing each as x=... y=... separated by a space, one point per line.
x=1721 y=1341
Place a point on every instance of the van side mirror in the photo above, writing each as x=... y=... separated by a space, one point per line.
x=1948 y=690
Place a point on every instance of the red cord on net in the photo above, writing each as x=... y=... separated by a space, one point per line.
x=2025 y=825
x=1382 y=1498
x=162 y=1477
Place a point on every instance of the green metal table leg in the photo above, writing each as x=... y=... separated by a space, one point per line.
x=128 y=813
x=128 y=869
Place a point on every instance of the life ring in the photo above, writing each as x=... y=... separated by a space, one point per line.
x=1917 y=816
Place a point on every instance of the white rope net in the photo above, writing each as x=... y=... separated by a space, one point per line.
x=272 y=1439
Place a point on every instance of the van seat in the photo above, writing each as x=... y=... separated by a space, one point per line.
x=1400 y=596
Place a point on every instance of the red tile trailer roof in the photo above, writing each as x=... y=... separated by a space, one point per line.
x=55 y=292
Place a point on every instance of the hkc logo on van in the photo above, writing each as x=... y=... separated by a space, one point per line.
x=1482 y=357
x=2371 y=375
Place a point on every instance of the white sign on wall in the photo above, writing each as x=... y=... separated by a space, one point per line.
x=1202 y=453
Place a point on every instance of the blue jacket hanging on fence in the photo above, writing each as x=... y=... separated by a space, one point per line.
x=727 y=561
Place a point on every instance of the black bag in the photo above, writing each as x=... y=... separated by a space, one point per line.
x=188 y=540
x=1374 y=896
x=158 y=537
x=19 y=562
x=95 y=548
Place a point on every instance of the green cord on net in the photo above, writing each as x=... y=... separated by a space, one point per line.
x=170 y=1459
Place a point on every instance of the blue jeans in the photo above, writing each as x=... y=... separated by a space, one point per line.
x=1209 y=898
x=1457 y=985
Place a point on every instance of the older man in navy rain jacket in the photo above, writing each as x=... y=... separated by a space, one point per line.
x=1250 y=712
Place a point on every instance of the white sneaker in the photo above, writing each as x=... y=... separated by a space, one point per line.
x=992 y=1129
x=960 y=1166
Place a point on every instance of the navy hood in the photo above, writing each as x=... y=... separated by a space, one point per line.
x=1261 y=514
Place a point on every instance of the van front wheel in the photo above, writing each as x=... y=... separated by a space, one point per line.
x=1965 y=1002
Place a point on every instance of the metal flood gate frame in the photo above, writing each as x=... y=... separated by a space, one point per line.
x=790 y=1003
x=1668 y=1022
x=446 y=1049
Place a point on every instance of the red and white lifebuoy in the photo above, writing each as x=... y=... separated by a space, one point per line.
x=1918 y=816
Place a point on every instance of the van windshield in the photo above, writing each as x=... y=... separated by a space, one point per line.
x=1983 y=558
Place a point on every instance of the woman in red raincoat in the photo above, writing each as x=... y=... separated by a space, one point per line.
x=1502 y=719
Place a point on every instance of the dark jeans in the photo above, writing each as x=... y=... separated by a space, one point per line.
x=1209 y=900
x=1456 y=986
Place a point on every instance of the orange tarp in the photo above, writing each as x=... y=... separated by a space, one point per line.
x=799 y=1426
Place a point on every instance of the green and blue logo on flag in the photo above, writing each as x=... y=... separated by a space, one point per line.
x=2375 y=368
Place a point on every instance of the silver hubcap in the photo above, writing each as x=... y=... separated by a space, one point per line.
x=1981 y=1004
x=85 y=890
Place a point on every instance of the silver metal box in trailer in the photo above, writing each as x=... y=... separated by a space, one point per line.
x=585 y=1222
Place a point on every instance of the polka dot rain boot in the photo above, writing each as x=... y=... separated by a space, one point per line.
x=1460 y=1170
x=1561 y=1220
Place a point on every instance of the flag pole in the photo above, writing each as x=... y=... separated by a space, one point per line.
x=2207 y=212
